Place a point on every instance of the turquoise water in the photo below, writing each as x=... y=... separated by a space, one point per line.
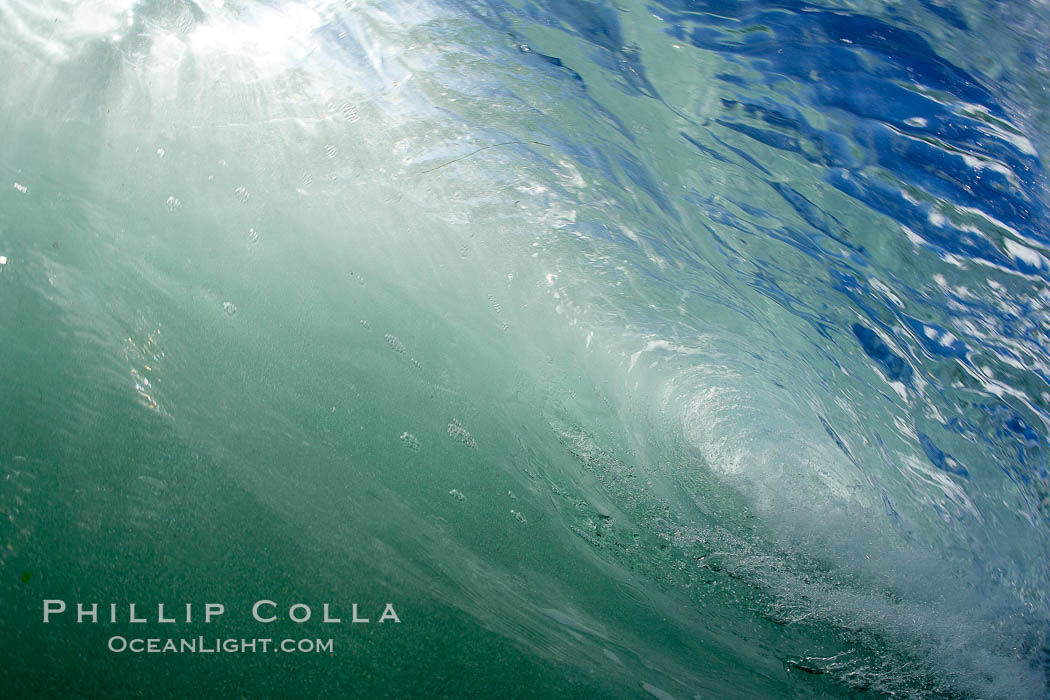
x=628 y=350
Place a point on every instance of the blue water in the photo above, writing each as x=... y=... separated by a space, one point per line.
x=672 y=349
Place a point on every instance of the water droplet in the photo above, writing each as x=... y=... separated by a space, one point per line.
x=3 y=260
x=331 y=151
x=457 y=495
x=229 y=308
x=350 y=113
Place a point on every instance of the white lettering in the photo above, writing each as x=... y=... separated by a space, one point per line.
x=260 y=603
x=291 y=612
x=53 y=607
x=389 y=614
x=83 y=611
x=327 y=615
x=213 y=610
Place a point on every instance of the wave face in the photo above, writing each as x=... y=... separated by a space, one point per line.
x=674 y=349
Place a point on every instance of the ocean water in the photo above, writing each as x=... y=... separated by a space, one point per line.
x=671 y=349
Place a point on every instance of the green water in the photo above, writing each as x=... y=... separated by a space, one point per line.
x=264 y=339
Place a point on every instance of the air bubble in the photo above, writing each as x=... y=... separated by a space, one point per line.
x=457 y=495
x=350 y=113
x=331 y=151
x=229 y=308
x=174 y=203
x=590 y=539
x=458 y=433
x=21 y=188
x=242 y=195
x=253 y=235
x=185 y=23
x=410 y=440
x=519 y=517
x=394 y=343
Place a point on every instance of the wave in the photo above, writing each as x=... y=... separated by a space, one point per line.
x=678 y=347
